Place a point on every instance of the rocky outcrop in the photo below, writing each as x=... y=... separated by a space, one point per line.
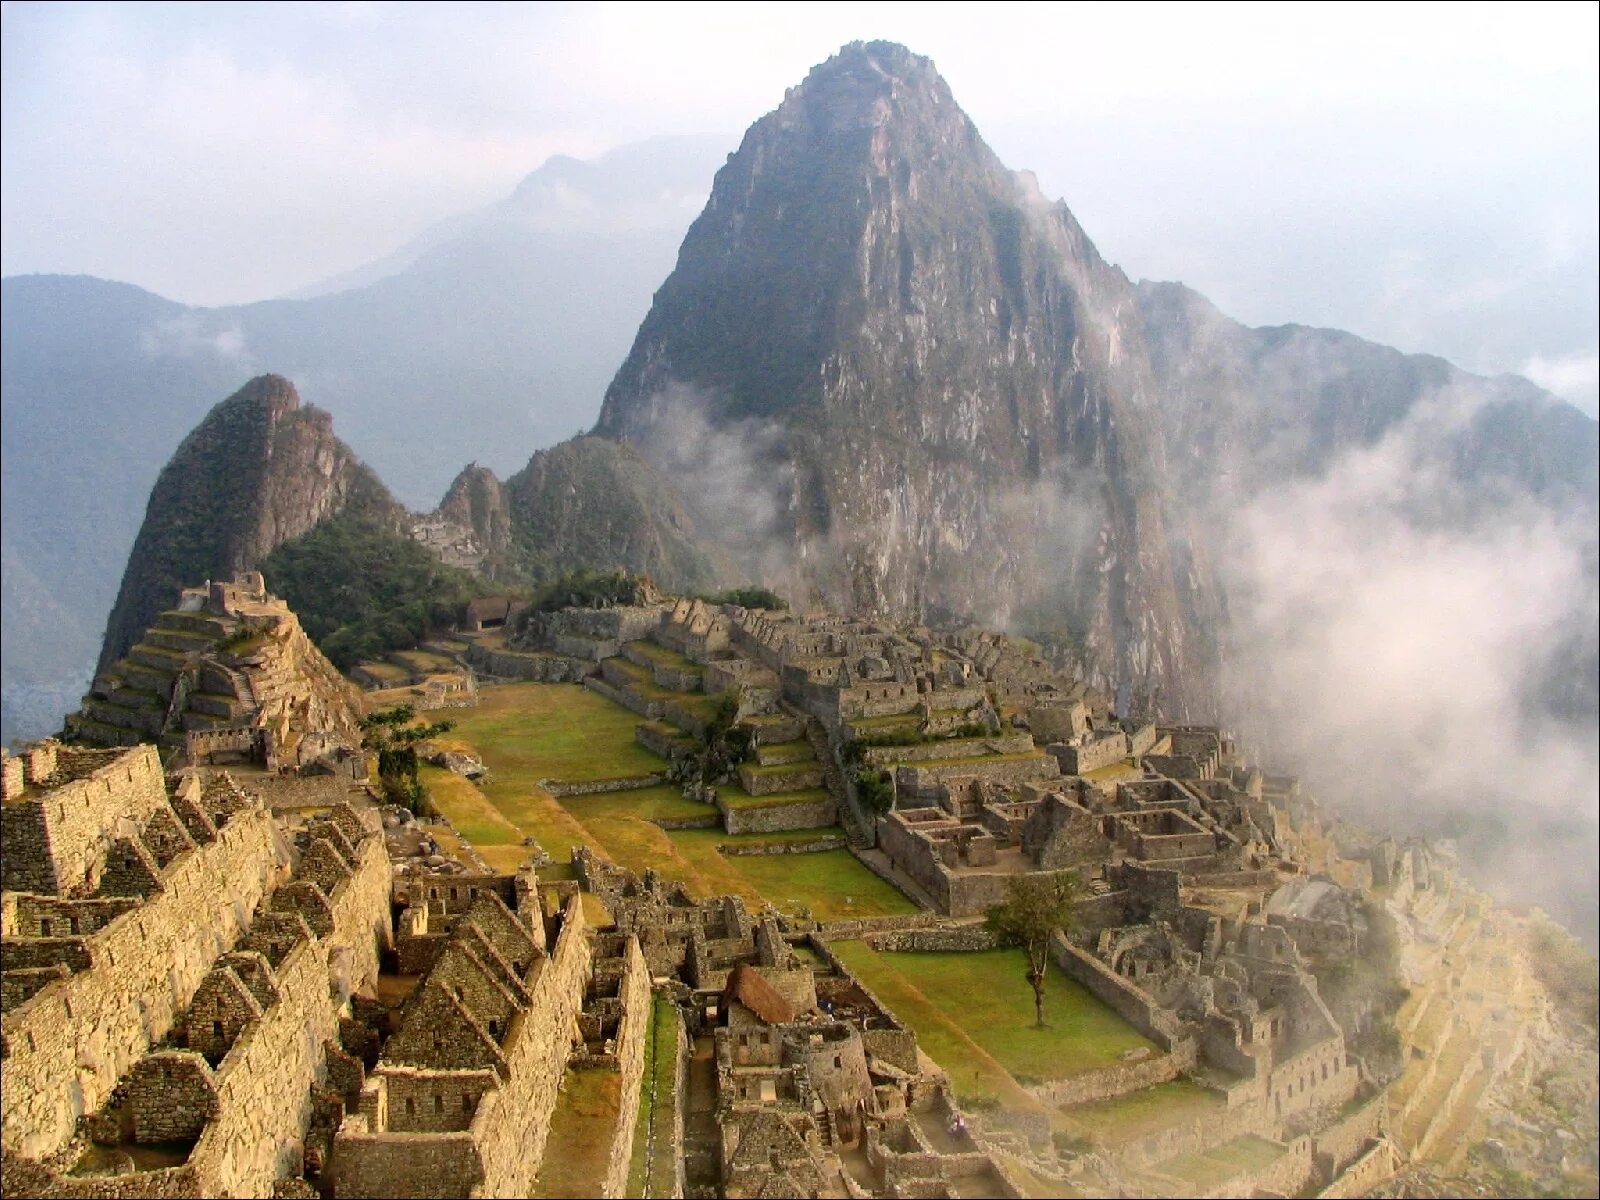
x=589 y=503
x=943 y=385
x=259 y=470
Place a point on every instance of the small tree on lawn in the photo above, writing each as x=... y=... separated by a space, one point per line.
x=393 y=736
x=1035 y=907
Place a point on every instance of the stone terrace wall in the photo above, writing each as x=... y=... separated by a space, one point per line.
x=1342 y=1143
x=774 y=818
x=263 y=1083
x=66 y=1047
x=55 y=837
x=264 y=1101
x=1131 y=1003
x=515 y=664
x=1106 y=1083
x=637 y=1012
x=1366 y=1172
x=499 y=1154
x=513 y=1121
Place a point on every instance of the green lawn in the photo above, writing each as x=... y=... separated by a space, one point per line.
x=527 y=732
x=652 y=1173
x=736 y=797
x=1215 y=1167
x=1113 y=1122
x=985 y=995
x=532 y=731
x=581 y=1128
x=667 y=658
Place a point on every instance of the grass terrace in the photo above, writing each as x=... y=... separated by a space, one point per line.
x=581 y=1129
x=527 y=732
x=651 y=1168
x=666 y=657
x=973 y=1013
x=1212 y=1168
x=1114 y=1122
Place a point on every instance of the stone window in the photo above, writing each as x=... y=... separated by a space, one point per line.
x=44 y=927
x=438 y=1103
x=216 y=1030
x=72 y=925
x=467 y=1103
x=411 y=1107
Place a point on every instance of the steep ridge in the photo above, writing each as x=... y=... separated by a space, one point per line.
x=945 y=386
x=1272 y=403
x=258 y=471
x=588 y=503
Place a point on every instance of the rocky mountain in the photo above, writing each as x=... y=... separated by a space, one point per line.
x=260 y=470
x=945 y=387
x=888 y=370
x=589 y=503
x=488 y=336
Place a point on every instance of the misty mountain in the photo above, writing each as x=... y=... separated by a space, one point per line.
x=486 y=338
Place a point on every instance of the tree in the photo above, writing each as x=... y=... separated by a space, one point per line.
x=1035 y=907
x=395 y=738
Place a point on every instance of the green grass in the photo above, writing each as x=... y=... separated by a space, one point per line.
x=1114 y=1122
x=667 y=658
x=581 y=1130
x=652 y=1174
x=985 y=995
x=526 y=732
x=767 y=772
x=736 y=797
x=1211 y=1168
x=891 y=722
x=534 y=731
x=469 y=811
x=643 y=804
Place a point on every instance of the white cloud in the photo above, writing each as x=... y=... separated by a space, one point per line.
x=1573 y=377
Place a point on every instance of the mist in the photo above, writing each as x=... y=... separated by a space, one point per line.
x=1425 y=658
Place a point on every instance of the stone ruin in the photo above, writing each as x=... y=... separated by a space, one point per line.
x=228 y=676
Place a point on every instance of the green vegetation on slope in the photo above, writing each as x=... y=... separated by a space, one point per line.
x=361 y=590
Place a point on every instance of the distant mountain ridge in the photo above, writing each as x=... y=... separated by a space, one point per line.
x=885 y=372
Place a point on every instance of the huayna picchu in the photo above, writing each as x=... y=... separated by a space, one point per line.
x=815 y=781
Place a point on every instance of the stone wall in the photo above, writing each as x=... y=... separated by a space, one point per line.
x=775 y=818
x=56 y=837
x=594 y=787
x=650 y=710
x=1133 y=1004
x=758 y=782
x=829 y=841
x=637 y=1013
x=910 y=781
x=500 y=1152
x=879 y=756
x=960 y=937
x=66 y=1047
x=1370 y=1168
x=1107 y=1083
x=1101 y=752
x=1345 y=1141
x=517 y=664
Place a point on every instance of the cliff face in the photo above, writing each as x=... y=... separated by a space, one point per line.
x=259 y=470
x=944 y=386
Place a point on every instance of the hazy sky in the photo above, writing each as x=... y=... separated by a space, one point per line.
x=1423 y=175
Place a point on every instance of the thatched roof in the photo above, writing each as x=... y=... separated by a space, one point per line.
x=746 y=985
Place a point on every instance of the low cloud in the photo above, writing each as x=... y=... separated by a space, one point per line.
x=1573 y=377
x=1421 y=660
x=193 y=335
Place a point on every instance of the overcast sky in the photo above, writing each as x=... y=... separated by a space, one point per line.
x=1422 y=175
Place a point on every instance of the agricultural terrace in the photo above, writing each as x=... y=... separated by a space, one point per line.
x=973 y=1014
x=528 y=732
